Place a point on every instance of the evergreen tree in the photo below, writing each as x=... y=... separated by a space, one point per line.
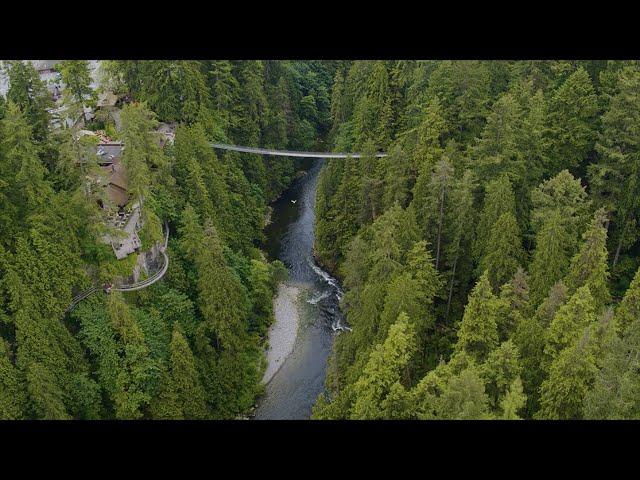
x=142 y=154
x=383 y=370
x=563 y=194
x=570 y=322
x=550 y=259
x=221 y=298
x=133 y=380
x=499 y=199
x=497 y=150
x=23 y=188
x=614 y=177
x=182 y=396
x=628 y=310
x=572 y=115
x=503 y=251
x=30 y=94
x=478 y=333
x=76 y=77
x=464 y=398
x=12 y=394
x=430 y=133
x=513 y=401
x=463 y=214
x=500 y=370
x=589 y=266
x=562 y=394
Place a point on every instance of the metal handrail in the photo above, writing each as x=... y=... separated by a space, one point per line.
x=132 y=286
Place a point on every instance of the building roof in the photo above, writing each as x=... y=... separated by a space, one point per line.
x=41 y=65
x=116 y=183
x=117 y=195
x=109 y=153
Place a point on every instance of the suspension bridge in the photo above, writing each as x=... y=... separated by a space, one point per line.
x=289 y=153
x=157 y=276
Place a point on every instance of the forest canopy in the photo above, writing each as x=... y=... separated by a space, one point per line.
x=490 y=261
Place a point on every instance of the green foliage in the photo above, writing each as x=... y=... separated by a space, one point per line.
x=571 y=319
x=503 y=252
x=30 y=95
x=614 y=178
x=572 y=114
x=410 y=235
x=571 y=374
x=628 y=310
x=550 y=259
x=182 y=395
x=12 y=394
x=589 y=266
x=77 y=79
x=383 y=372
x=499 y=199
x=478 y=333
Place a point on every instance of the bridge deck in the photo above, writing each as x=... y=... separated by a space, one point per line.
x=289 y=153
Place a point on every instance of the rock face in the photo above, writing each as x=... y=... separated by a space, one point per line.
x=147 y=262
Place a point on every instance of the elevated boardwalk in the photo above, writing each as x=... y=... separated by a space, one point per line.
x=132 y=287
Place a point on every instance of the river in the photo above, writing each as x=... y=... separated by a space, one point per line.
x=294 y=388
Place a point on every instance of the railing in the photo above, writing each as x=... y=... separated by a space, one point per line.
x=289 y=153
x=155 y=277
x=132 y=286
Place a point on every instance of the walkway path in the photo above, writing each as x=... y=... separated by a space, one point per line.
x=132 y=286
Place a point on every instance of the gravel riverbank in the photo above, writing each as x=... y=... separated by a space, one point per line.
x=283 y=332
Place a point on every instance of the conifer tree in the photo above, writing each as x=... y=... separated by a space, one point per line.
x=221 y=297
x=533 y=139
x=76 y=77
x=499 y=199
x=571 y=375
x=429 y=137
x=503 y=252
x=458 y=231
x=464 y=398
x=12 y=394
x=478 y=333
x=383 y=370
x=497 y=150
x=500 y=370
x=572 y=115
x=570 y=321
x=398 y=178
x=182 y=396
x=614 y=177
x=514 y=304
x=24 y=189
x=141 y=153
x=513 y=401
x=137 y=369
x=550 y=259
x=30 y=94
x=628 y=310
x=565 y=195
x=589 y=266
x=615 y=391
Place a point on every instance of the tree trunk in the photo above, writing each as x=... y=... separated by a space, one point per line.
x=453 y=274
x=616 y=257
x=440 y=228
